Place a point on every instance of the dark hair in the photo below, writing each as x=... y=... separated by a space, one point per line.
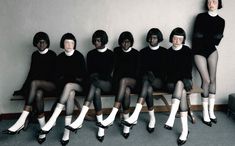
x=125 y=35
x=178 y=31
x=219 y=4
x=41 y=36
x=100 y=34
x=154 y=31
x=68 y=36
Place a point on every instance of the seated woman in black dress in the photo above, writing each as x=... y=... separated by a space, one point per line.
x=126 y=64
x=153 y=73
x=100 y=67
x=179 y=80
x=71 y=72
x=40 y=81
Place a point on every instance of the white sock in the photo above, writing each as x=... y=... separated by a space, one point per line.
x=184 y=123
x=52 y=120
x=68 y=120
x=151 y=119
x=41 y=122
x=20 y=122
x=101 y=130
x=133 y=118
x=126 y=129
x=78 y=122
x=205 y=110
x=174 y=108
x=211 y=106
x=110 y=118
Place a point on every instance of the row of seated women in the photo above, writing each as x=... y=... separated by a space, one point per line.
x=123 y=71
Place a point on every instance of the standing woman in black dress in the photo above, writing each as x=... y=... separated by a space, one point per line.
x=179 y=80
x=71 y=72
x=153 y=73
x=208 y=32
x=40 y=81
x=126 y=66
x=100 y=66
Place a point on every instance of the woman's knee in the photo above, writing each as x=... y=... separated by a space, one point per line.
x=35 y=83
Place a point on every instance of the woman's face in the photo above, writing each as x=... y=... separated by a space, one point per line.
x=42 y=45
x=69 y=45
x=177 y=40
x=98 y=43
x=153 y=40
x=212 y=5
x=126 y=44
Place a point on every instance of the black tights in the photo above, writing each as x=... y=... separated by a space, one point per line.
x=207 y=69
x=125 y=86
x=95 y=94
x=68 y=95
x=37 y=89
x=147 y=91
x=180 y=94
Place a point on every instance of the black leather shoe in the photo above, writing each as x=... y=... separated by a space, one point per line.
x=43 y=132
x=102 y=126
x=128 y=124
x=71 y=128
x=181 y=142
x=167 y=127
x=13 y=132
x=207 y=123
x=150 y=130
x=100 y=138
x=64 y=142
x=125 y=135
x=214 y=120
x=41 y=140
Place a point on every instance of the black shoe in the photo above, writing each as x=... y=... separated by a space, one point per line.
x=125 y=135
x=71 y=128
x=128 y=124
x=102 y=126
x=44 y=132
x=167 y=127
x=100 y=138
x=207 y=123
x=64 y=142
x=150 y=130
x=41 y=140
x=13 y=132
x=214 y=120
x=181 y=142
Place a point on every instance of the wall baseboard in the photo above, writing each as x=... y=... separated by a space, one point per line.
x=162 y=108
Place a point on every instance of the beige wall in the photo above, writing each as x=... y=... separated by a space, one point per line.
x=20 y=20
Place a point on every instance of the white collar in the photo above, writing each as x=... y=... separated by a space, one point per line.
x=69 y=53
x=213 y=13
x=128 y=50
x=177 y=48
x=102 y=50
x=154 y=48
x=44 y=51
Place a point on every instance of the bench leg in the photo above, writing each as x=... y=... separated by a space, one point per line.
x=190 y=112
x=165 y=101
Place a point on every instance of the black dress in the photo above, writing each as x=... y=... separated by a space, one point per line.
x=70 y=69
x=126 y=64
x=42 y=68
x=179 y=64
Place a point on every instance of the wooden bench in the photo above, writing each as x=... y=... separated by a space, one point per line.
x=157 y=95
